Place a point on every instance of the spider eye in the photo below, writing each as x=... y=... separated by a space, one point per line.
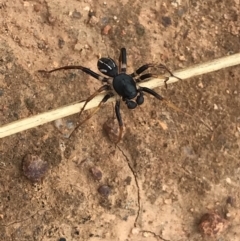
x=107 y=66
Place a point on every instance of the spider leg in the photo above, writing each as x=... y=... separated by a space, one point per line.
x=168 y=103
x=151 y=92
x=168 y=70
x=103 y=101
x=101 y=89
x=141 y=69
x=123 y=61
x=146 y=76
x=119 y=119
x=84 y=69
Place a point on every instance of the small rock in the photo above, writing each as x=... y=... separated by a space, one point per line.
x=61 y=43
x=166 y=21
x=93 y=20
x=34 y=168
x=26 y=4
x=91 y=13
x=230 y=200
x=135 y=231
x=128 y=180
x=212 y=224
x=182 y=58
x=228 y=215
x=200 y=85
x=111 y=128
x=87 y=8
x=140 y=30
x=62 y=239
x=106 y=29
x=191 y=210
x=147 y=234
x=76 y=14
x=51 y=19
x=78 y=47
x=104 y=190
x=37 y=7
x=228 y=180
x=96 y=173
x=30 y=104
x=168 y=201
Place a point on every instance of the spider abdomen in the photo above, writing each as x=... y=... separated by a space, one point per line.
x=125 y=86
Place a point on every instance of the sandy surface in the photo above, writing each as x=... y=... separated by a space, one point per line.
x=168 y=170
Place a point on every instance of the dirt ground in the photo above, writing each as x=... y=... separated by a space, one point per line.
x=168 y=170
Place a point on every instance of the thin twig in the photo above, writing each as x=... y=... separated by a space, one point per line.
x=40 y=119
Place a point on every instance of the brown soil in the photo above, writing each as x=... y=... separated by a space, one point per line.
x=168 y=170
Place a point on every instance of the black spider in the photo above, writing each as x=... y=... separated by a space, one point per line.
x=118 y=81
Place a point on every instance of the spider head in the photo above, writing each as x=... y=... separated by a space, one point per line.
x=107 y=66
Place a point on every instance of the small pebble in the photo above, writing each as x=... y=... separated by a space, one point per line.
x=91 y=13
x=37 y=7
x=191 y=210
x=96 y=173
x=135 y=231
x=230 y=200
x=200 y=84
x=228 y=180
x=166 y=21
x=146 y=234
x=182 y=58
x=181 y=11
x=212 y=224
x=87 y=8
x=128 y=180
x=104 y=21
x=106 y=29
x=228 y=215
x=78 y=47
x=93 y=20
x=26 y=4
x=34 y=168
x=104 y=190
x=62 y=239
x=51 y=19
x=140 y=30
x=61 y=43
x=76 y=14
x=111 y=128
x=168 y=201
